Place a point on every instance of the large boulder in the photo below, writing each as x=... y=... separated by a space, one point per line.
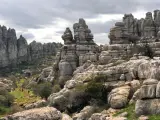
x=148 y=89
x=147 y=107
x=105 y=57
x=85 y=113
x=118 y=97
x=46 y=75
x=38 y=104
x=46 y=113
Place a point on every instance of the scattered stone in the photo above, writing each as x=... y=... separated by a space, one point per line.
x=123 y=114
x=143 y=118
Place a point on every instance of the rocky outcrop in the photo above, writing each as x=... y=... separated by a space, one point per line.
x=133 y=30
x=133 y=37
x=22 y=47
x=15 y=51
x=122 y=79
x=77 y=49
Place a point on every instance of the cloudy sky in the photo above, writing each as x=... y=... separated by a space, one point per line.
x=46 y=20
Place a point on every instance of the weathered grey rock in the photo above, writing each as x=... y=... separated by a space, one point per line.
x=66 y=117
x=22 y=47
x=35 y=50
x=15 y=51
x=158 y=90
x=104 y=57
x=46 y=75
x=38 y=104
x=3 y=48
x=67 y=36
x=12 y=47
x=148 y=89
x=46 y=113
x=118 y=97
x=76 y=51
x=147 y=107
x=85 y=113
x=98 y=116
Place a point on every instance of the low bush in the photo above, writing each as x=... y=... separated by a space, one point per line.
x=6 y=99
x=43 y=89
x=95 y=88
x=56 y=88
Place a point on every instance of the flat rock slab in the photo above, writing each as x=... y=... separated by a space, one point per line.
x=45 y=113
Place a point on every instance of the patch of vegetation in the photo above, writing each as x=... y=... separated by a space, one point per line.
x=43 y=89
x=6 y=100
x=4 y=110
x=154 y=117
x=56 y=88
x=95 y=88
x=23 y=96
x=130 y=109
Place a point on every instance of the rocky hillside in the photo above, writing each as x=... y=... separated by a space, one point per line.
x=119 y=81
x=15 y=51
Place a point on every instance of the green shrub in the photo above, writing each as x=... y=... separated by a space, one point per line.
x=6 y=99
x=43 y=89
x=95 y=88
x=56 y=88
x=130 y=109
x=4 y=110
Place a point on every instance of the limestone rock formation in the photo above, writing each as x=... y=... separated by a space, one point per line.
x=77 y=49
x=15 y=51
x=12 y=47
x=135 y=36
x=132 y=29
x=35 y=50
x=22 y=47
x=122 y=89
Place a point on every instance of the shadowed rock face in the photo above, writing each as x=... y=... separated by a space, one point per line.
x=14 y=51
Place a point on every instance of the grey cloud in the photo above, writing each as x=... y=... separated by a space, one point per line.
x=100 y=27
x=38 y=13
x=27 y=35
